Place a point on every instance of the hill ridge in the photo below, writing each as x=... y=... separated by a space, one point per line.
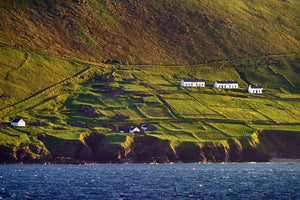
x=152 y=32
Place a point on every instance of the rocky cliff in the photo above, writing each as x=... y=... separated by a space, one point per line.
x=148 y=149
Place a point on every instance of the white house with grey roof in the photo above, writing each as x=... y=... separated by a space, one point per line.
x=255 y=89
x=134 y=129
x=17 y=122
x=194 y=82
x=226 y=84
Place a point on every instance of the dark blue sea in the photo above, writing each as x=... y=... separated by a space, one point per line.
x=151 y=181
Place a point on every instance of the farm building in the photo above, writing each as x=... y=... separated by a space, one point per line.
x=186 y=82
x=17 y=122
x=146 y=127
x=226 y=84
x=255 y=89
x=134 y=129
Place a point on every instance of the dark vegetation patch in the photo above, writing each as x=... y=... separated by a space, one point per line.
x=119 y=117
x=130 y=79
x=3 y=126
x=113 y=127
x=139 y=99
x=120 y=67
x=275 y=95
x=89 y=110
x=37 y=123
x=243 y=76
x=69 y=84
x=115 y=93
x=82 y=125
x=5 y=96
x=59 y=128
x=47 y=109
x=124 y=128
x=112 y=62
x=141 y=94
x=110 y=79
x=104 y=86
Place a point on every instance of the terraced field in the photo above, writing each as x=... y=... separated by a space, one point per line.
x=152 y=95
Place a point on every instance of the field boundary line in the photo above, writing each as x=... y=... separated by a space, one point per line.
x=6 y=110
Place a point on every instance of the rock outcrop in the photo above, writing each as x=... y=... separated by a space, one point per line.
x=94 y=148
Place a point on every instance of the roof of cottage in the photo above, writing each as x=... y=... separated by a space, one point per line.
x=255 y=86
x=193 y=80
x=15 y=120
x=133 y=128
x=227 y=82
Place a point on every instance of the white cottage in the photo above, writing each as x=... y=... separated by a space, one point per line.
x=17 y=122
x=144 y=127
x=186 y=82
x=226 y=84
x=255 y=89
x=134 y=129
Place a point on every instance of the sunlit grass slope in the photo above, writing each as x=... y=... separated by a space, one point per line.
x=25 y=73
x=152 y=32
x=146 y=94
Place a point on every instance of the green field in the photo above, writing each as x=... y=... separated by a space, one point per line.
x=55 y=96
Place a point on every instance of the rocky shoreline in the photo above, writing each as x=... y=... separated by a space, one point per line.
x=285 y=160
x=266 y=146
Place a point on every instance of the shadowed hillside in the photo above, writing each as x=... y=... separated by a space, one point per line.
x=152 y=32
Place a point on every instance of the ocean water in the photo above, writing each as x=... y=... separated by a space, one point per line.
x=151 y=181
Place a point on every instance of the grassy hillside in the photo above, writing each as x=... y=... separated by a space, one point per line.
x=25 y=73
x=152 y=32
x=61 y=72
x=60 y=122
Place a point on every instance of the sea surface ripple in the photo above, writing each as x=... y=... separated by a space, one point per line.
x=151 y=181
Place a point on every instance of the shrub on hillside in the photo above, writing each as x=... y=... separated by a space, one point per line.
x=119 y=117
x=110 y=79
x=37 y=123
x=130 y=79
x=82 y=125
x=5 y=96
x=3 y=126
x=104 y=86
x=87 y=109
x=111 y=126
x=115 y=93
x=69 y=84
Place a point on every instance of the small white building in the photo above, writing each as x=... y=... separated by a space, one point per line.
x=134 y=129
x=144 y=127
x=255 y=89
x=226 y=84
x=186 y=82
x=17 y=122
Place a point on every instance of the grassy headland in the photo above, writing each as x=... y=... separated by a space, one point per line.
x=75 y=113
x=60 y=72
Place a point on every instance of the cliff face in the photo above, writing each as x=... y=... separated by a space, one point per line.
x=148 y=149
x=282 y=144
